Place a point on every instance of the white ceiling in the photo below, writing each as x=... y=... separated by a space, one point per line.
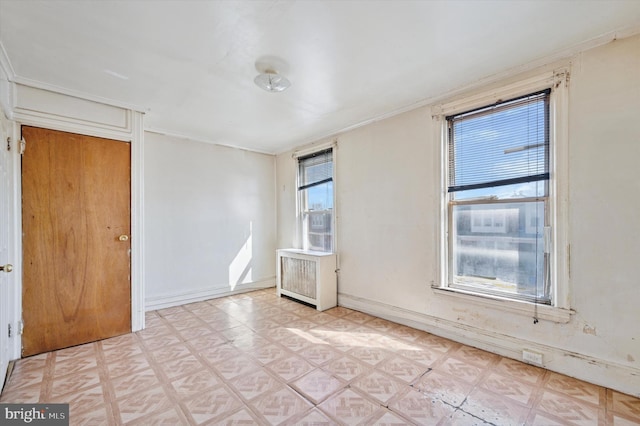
x=190 y=64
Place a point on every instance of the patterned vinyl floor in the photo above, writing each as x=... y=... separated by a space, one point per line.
x=259 y=359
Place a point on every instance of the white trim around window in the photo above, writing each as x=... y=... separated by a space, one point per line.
x=558 y=82
x=296 y=156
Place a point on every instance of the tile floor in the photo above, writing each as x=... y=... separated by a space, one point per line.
x=259 y=359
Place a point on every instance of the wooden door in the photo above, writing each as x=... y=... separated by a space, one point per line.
x=76 y=226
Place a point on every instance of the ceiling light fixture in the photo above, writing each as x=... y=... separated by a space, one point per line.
x=271 y=81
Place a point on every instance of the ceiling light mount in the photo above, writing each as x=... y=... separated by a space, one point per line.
x=271 y=81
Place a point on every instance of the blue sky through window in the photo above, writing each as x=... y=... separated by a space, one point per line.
x=321 y=197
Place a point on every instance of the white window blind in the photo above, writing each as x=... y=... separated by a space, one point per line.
x=315 y=169
x=503 y=144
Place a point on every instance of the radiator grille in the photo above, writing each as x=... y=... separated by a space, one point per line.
x=299 y=276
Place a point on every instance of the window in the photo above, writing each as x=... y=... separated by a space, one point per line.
x=498 y=196
x=315 y=200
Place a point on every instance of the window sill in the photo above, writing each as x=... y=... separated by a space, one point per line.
x=541 y=312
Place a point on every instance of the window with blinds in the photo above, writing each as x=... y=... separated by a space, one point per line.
x=498 y=180
x=315 y=200
x=501 y=145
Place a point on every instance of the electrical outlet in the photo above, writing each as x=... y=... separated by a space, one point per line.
x=532 y=357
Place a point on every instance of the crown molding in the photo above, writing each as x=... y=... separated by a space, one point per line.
x=5 y=64
x=200 y=139
x=77 y=94
x=7 y=69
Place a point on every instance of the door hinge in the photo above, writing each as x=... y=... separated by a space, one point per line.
x=20 y=327
x=8 y=144
x=23 y=145
x=9 y=334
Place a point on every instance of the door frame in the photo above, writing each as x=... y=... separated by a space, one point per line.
x=135 y=136
x=6 y=305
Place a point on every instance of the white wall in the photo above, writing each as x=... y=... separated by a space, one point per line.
x=209 y=220
x=388 y=202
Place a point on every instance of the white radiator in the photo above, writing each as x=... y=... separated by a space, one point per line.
x=308 y=276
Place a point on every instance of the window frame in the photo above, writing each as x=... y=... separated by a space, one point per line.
x=453 y=201
x=300 y=198
x=559 y=273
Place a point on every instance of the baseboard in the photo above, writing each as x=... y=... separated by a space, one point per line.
x=593 y=370
x=176 y=299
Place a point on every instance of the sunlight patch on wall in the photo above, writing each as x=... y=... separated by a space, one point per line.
x=240 y=267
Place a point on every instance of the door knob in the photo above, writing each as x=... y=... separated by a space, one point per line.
x=123 y=238
x=6 y=268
